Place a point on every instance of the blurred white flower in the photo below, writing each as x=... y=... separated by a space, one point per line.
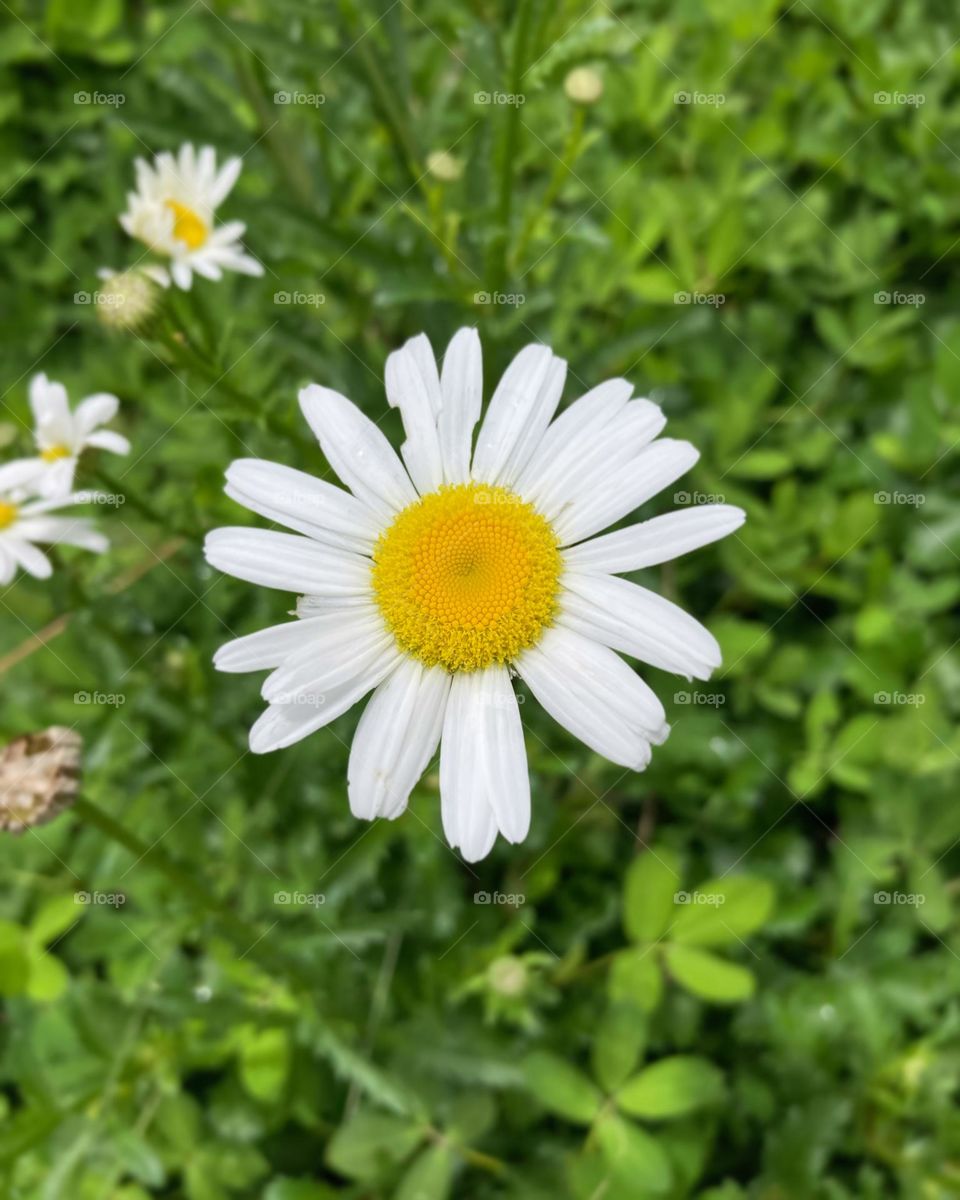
x=25 y=522
x=172 y=212
x=62 y=435
x=446 y=570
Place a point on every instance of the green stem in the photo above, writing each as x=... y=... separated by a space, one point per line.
x=571 y=151
x=508 y=149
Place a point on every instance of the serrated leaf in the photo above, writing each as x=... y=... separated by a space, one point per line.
x=722 y=911
x=562 y=1088
x=709 y=976
x=648 y=896
x=633 y=1155
x=672 y=1087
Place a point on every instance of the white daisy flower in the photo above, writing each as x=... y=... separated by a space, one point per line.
x=26 y=522
x=172 y=212
x=434 y=580
x=62 y=435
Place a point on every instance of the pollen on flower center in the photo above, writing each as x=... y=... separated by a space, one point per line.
x=467 y=576
x=52 y=453
x=8 y=514
x=187 y=226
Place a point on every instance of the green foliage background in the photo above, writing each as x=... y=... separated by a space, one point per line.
x=785 y=1035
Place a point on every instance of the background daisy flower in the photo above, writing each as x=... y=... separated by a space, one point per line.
x=434 y=579
x=26 y=523
x=62 y=434
x=172 y=212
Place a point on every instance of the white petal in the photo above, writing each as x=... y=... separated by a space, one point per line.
x=48 y=401
x=95 y=410
x=575 y=427
x=461 y=386
x=107 y=439
x=636 y=621
x=519 y=413
x=226 y=178
x=19 y=473
x=484 y=779
x=357 y=451
x=653 y=469
x=283 y=724
x=397 y=736
x=583 y=469
x=8 y=565
x=33 y=561
x=63 y=531
x=182 y=275
x=339 y=650
x=413 y=386
x=658 y=540
x=287 y=562
x=592 y=692
x=304 y=503
x=268 y=648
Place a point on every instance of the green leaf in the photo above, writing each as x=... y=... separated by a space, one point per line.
x=648 y=905
x=708 y=976
x=561 y=1088
x=633 y=1155
x=618 y=1044
x=299 y=1189
x=635 y=977
x=723 y=911
x=54 y=918
x=370 y=1142
x=672 y=1087
x=429 y=1177
x=14 y=960
x=265 y=1062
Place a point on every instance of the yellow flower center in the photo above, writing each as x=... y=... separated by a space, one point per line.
x=467 y=576
x=8 y=514
x=187 y=226
x=52 y=453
